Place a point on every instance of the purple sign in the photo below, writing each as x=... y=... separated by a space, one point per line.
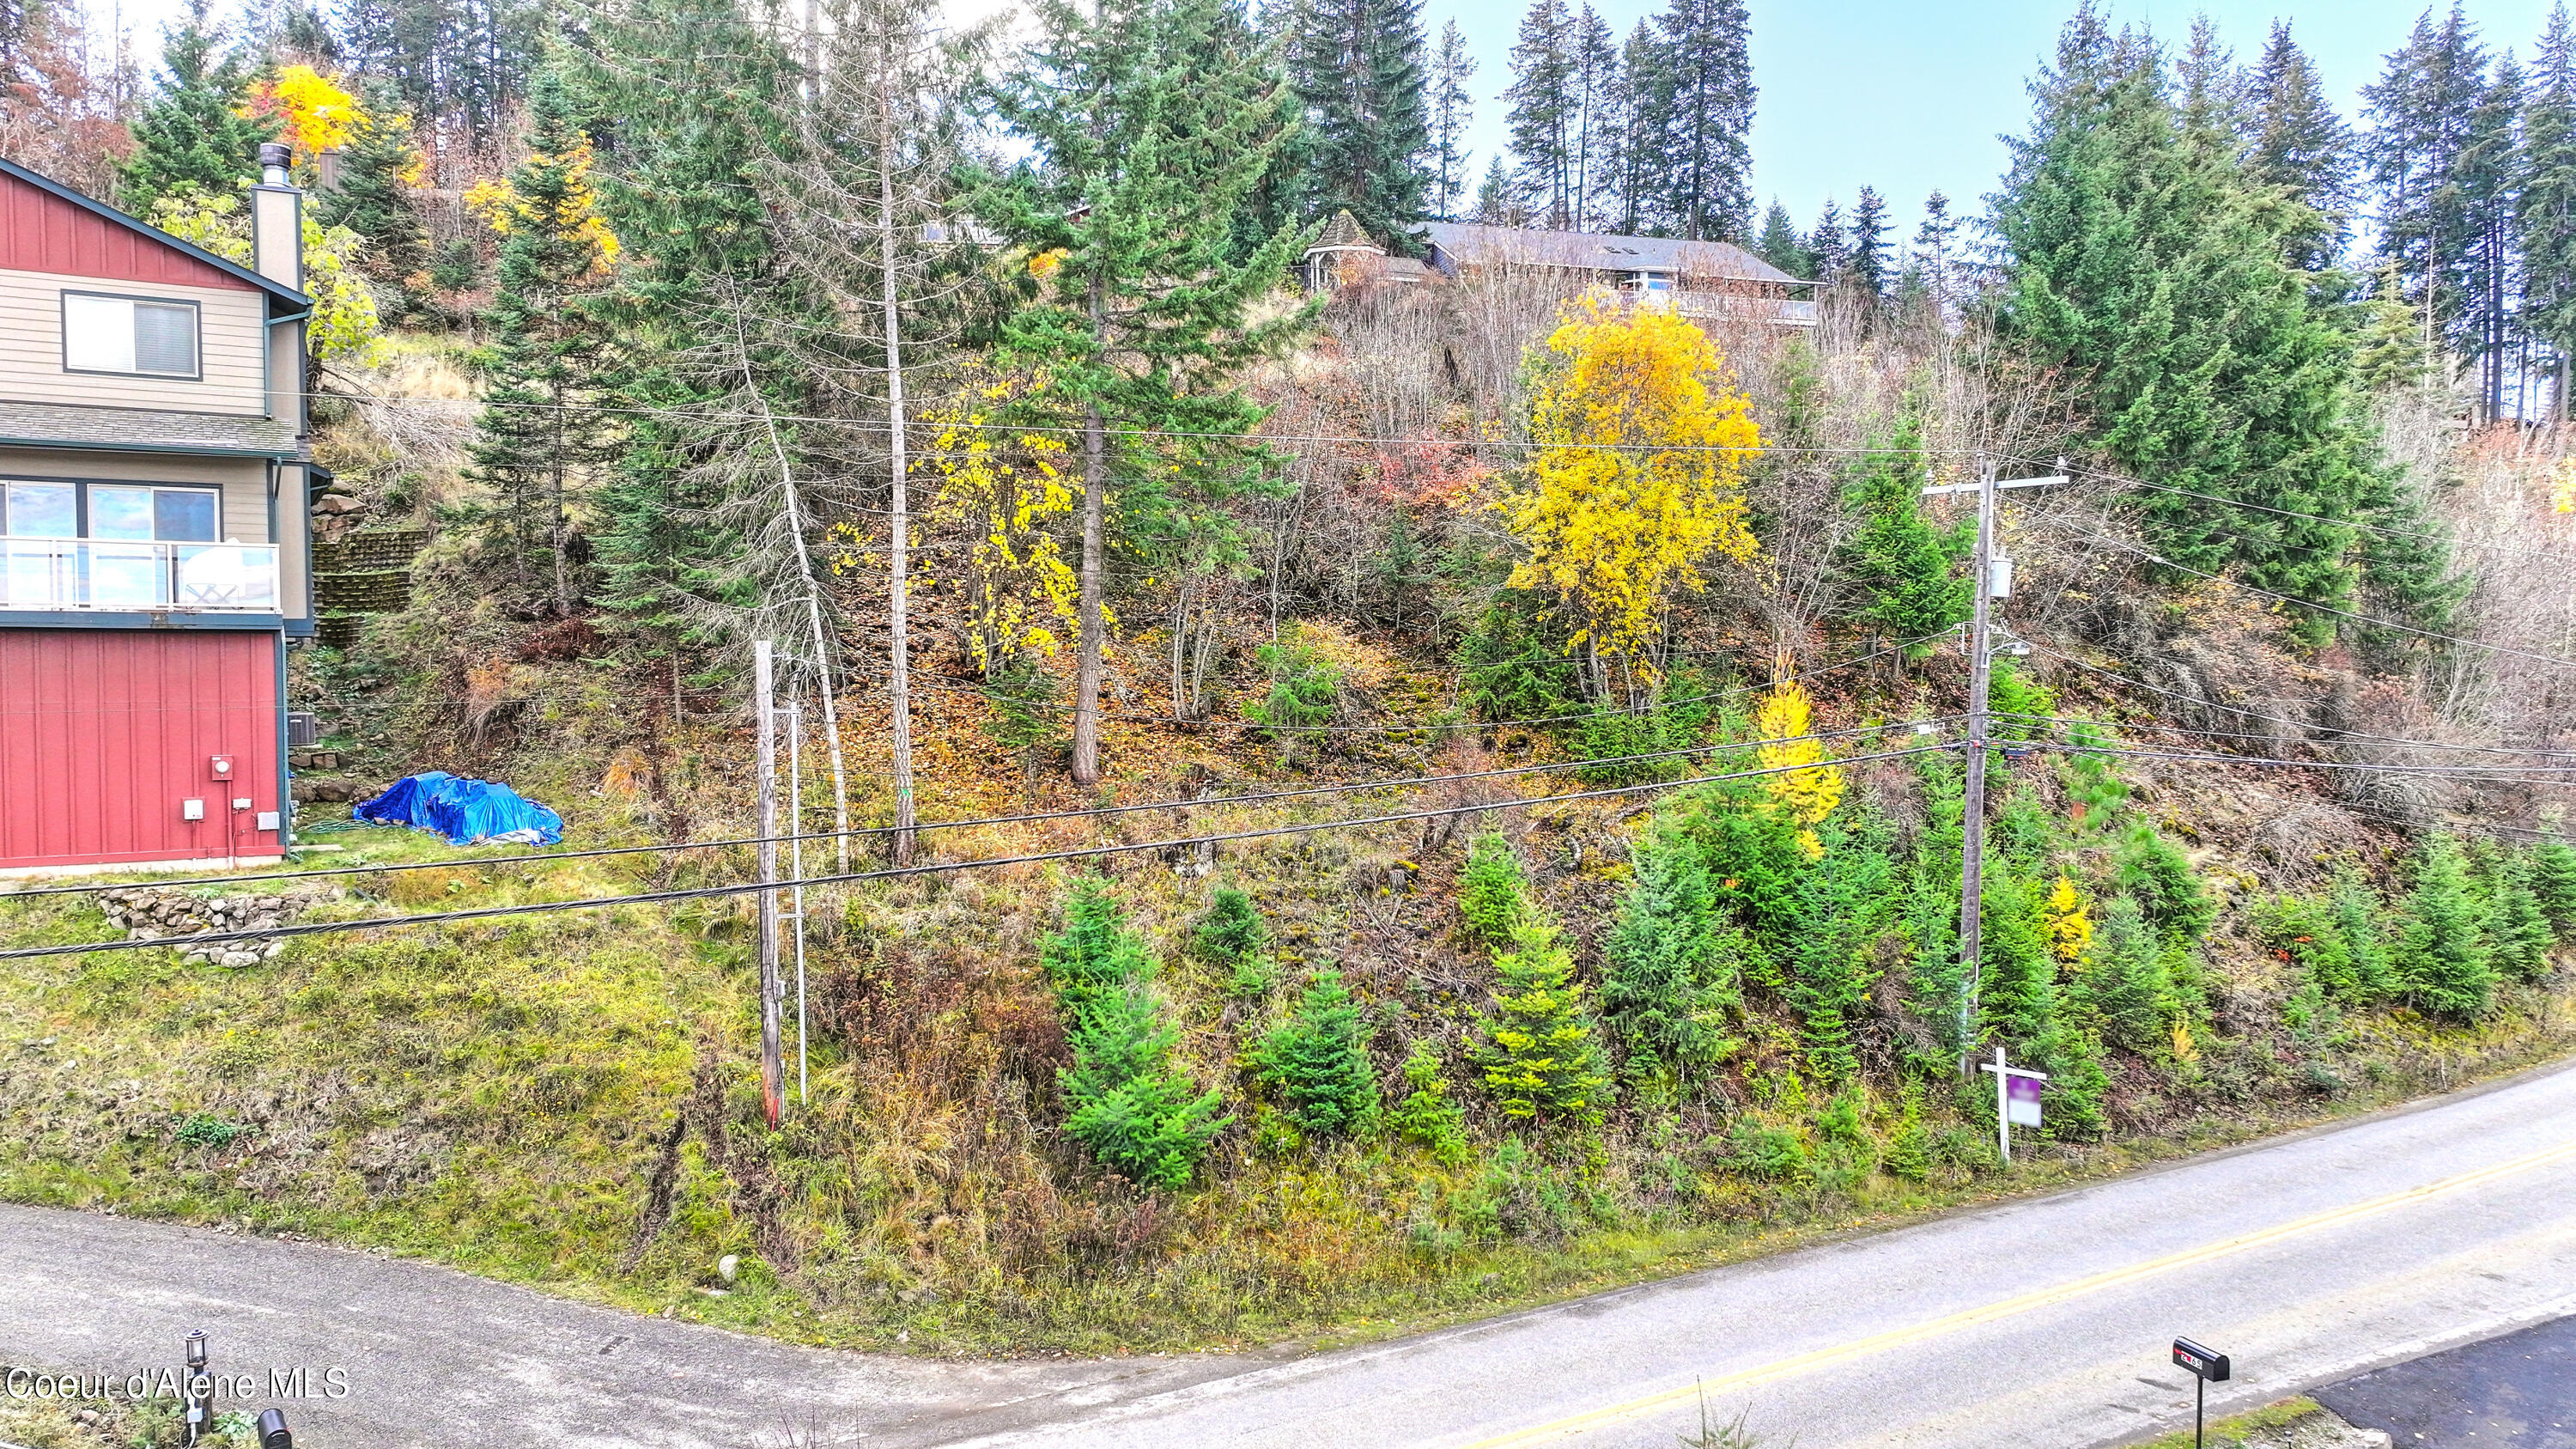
x=2021 y=1100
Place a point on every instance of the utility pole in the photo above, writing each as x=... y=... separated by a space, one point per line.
x=796 y=866
x=771 y=1066
x=1993 y=580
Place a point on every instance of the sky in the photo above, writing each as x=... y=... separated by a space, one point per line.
x=1908 y=96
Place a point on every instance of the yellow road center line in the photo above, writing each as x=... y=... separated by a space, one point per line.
x=2008 y=1307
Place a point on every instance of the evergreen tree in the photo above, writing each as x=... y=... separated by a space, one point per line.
x=1428 y=1114
x=191 y=132
x=1841 y=908
x=1871 y=267
x=2546 y=223
x=542 y=434
x=2155 y=872
x=462 y=63
x=2490 y=172
x=1541 y=1058
x=2517 y=930
x=1705 y=96
x=2153 y=274
x=1829 y=246
x=1659 y=981
x=1095 y=952
x=1150 y=121
x=2553 y=884
x=1453 y=110
x=372 y=199
x=1596 y=87
x=2124 y=982
x=2213 y=100
x=2420 y=111
x=1936 y=249
x=1646 y=86
x=2442 y=954
x=1904 y=569
x=1232 y=936
x=2300 y=148
x=2018 y=970
x=1318 y=1062
x=1779 y=243
x=1358 y=71
x=1546 y=109
x=1494 y=206
x=2356 y=917
x=1493 y=898
x=1136 y=1115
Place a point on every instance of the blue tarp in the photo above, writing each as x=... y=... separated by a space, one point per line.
x=467 y=812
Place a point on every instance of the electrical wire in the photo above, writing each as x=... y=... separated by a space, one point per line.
x=2123 y=478
x=924 y=827
x=317 y=928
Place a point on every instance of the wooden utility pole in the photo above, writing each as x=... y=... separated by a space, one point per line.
x=1972 y=824
x=1988 y=582
x=898 y=610
x=772 y=1067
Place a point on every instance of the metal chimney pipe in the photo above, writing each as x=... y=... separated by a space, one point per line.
x=274 y=158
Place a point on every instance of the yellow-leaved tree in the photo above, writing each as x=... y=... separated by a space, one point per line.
x=996 y=493
x=1807 y=785
x=312 y=111
x=1642 y=439
x=2070 y=926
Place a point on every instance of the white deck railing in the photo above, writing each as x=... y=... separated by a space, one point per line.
x=88 y=573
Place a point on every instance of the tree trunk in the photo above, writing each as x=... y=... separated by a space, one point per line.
x=1095 y=485
x=899 y=649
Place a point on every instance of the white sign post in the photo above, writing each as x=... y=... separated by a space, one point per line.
x=2017 y=1091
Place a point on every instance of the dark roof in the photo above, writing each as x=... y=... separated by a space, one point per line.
x=1473 y=244
x=139 y=430
x=1343 y=233
x=110 y=214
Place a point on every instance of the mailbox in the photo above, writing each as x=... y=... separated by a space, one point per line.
x=2206 y=1364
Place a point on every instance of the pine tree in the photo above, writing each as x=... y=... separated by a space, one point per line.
x=1904 y=569
x=1780 y=244
x=1318 y=1062
x=1541 y=1058
x=373 y=200
x=2124 y=982
x=2213 y=101
x=1936 y=250
x=1358 y=72
x=1829 y=245
x=191 y=132
x=1095 y=952
x=2490 y=177
x=1494 y=203
x=2152 y=273
x=2299 y=147
x=2420 y=112
x=542 y=432
x=1130 y=1108
x=460 y=63
x=2517 y=929
x=1428 y=1114
x=1545 y=109
x=1705 y=97
x=2357 y=920
x=1871 y=268
x=1659 y=981
x=1841 y=907
x=1453 y=110
x=1151 y=121
x=1596 y=83
x=2442 y=954
x=2546 y=224
x=1233 y=937
x=1646 y=85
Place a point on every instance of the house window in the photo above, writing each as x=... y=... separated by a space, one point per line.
x=137 y=335
x=40 y=510
x=136 y=512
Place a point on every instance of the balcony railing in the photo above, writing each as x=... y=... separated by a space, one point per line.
x=1780 y=311
x=86 y=573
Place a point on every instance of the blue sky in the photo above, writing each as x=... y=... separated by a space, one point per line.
x=1909 y=97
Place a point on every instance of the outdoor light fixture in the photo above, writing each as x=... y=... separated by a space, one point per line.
x=199 y=1393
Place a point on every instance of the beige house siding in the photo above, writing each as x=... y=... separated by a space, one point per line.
x=232 y=352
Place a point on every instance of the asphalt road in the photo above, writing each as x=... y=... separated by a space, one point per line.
x=2514 y=1392
x=2041 y=1323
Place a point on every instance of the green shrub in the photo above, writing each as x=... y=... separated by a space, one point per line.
x=1773 y=1152
x=1508 y=669
x=2125 y=982
x=1542 y=1058
x=1493 y=898
x=1095 y=953
x=1428 y=1115
x=2013 y=697
x=2442 y=952
x=1134 y=1114
x=1025 y=719
x=2553 y=884
x=1909 y=1145
x=2017 y=965
x=1752 y=852
x=2358 y=920
x=2158 y=875
x=1305 y=689
x=1318 y=1062
x=2517 y=929
x=205 y=1129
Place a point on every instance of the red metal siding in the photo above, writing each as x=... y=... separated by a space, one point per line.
x=41 y=232
x=103 y=732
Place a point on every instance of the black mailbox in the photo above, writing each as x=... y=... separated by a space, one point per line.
x=2206 y=1363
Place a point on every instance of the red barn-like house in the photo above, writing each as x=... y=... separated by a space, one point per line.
x=153 y=531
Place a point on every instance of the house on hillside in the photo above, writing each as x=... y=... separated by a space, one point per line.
x=1715 y=281
x=154 y=485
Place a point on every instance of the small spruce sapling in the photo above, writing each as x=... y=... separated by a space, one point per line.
x=1658 y=991
x=2442 y=954
x=1131 y=1110
x=1318 y=1062
x=2125 y=981
x=1542 y=1057
x=2553 y=884
x=1428 y=1115
x=1493 y=900
x=2517 y=929
x=1233 y=936
x=1095 y=954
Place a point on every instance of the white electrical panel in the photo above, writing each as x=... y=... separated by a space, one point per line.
x=192 y=809
x=268 y=820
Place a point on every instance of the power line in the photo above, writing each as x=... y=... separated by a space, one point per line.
x=2351 y=523
x=317 y=928
x=2153 y=557
x=1349 y=787
x=2518 y=774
